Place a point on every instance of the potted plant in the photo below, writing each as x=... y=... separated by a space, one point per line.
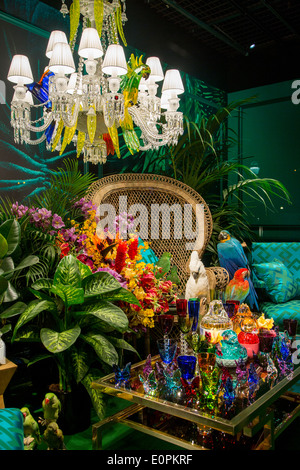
x=75 y=319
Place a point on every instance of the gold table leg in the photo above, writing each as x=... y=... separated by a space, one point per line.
x=98 y=427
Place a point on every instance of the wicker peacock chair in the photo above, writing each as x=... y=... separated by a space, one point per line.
x=147 y=189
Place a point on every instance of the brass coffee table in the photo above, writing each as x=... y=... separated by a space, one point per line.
x=256 y=419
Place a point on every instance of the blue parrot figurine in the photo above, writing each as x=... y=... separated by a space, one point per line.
x=232 y=257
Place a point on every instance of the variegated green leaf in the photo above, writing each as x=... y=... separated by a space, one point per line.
x=57 y=342
x=95 y=395
x=33 y=309
x=100 y=283
x=122 y=344
x=28 y=334
x=103 y=348
x=123 y=295
x=69 y=294
x=109 y=313
x=83 y=269
x=79 y=363
x=16 y=309
x=67 y=272
x=42 y=284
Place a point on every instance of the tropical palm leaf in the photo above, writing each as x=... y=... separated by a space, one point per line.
x=232 y=190
x=66 y=185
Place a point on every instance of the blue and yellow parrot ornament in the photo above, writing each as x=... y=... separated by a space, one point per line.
x=232 y=258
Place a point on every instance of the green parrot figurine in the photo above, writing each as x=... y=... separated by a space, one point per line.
x=173 y=276
x=164 y=264
x=32 y=436
x=54 y=437
x=51 y=407
x=136 y=70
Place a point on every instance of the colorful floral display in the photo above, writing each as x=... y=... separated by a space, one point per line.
x=123 y=259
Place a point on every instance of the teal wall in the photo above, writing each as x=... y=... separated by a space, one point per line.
x=267 y=132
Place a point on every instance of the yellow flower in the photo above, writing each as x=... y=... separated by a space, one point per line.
x=148 y=312
x=139 y=293
x=132 y=284
x=262 y=322
x=128 y=273
x=148 y=322
x=216 y=337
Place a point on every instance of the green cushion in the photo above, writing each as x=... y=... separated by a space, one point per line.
x=278 y=312
x=286 y=252
x=280 y=284
x=11 y=429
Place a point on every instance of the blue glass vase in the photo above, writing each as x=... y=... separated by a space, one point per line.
x=167 y=349
x=193 y=307
x=187 y=365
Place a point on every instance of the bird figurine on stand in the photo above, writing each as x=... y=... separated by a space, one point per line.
x=32 y=436
x=238 y=288
x=54 y=437
x=51 y=407
x=197 y=285
x=232 y=258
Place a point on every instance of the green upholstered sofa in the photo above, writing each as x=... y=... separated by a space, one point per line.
x=263 y=258
x=11 y=429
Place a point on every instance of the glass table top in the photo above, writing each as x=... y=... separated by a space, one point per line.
x=240 y=415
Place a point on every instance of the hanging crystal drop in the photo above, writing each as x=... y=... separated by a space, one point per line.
x=64 y=9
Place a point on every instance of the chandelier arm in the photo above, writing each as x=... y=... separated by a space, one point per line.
x=42 y=128
x=146 y=129
x=35 y=142
x=72 y=122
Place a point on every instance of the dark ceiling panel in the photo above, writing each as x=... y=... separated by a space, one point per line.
x=229 y=28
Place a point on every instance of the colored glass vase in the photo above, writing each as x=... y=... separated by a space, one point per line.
x=167 y=349
x=210 y=384
x=290 y=325
x=184 y=322
x=229 y=309
x=266 y=340
x=193 y=307
x=166 y=322
x=187 y=365
x=206 y=360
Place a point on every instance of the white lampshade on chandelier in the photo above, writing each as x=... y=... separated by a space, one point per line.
x=93 y=96
x=55 y=36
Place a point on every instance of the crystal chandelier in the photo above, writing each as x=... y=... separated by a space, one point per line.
x=103 y=97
